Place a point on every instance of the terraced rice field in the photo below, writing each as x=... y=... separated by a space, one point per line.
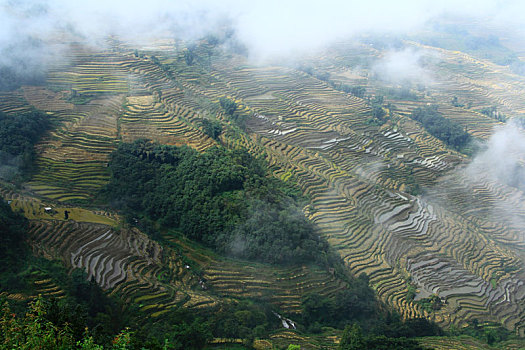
x=73 y=158
x=124 y=262
x=127 y=263
x=349 y=171
x=112 y=106
x=354 y=172
x=464 y=343
x=34 y=209
x=42 y=285
x=284 y=287
x=283 y=338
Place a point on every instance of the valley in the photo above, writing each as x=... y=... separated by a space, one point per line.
x=392 y=200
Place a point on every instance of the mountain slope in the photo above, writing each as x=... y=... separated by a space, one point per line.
x=384 y=192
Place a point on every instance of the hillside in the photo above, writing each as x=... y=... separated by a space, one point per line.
x=394 y=200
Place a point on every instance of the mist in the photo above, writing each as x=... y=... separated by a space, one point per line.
x=503 y=159
x=270 y=29
x=492 y=184
x=402 y=67
x=503 y=162
x=10 y=166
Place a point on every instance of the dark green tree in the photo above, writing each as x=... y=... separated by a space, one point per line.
x=444 y=129
x=18 y=135
x=352 y=338
x=13 y=248
x=189 y=56
x=212 y=128
x=228 y=105
x=224 y=199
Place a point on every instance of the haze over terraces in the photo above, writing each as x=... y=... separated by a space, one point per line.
x=393 y=201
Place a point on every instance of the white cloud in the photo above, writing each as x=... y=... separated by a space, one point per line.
x=504 y=159
x=402 y=66
x=268 y=28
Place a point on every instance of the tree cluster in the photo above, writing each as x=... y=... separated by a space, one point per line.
x=402 y=93
x=246 y=320
x=228 y=105
x=379 y=116
x=18 y=135
x=224 y=199
x=12 y=239
x=356 y=303
x=231 y=110
x=442 y=128
x=353 y=339
x=212 y=128
x=358 y=91
x=492 y=112
x=36 y=331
